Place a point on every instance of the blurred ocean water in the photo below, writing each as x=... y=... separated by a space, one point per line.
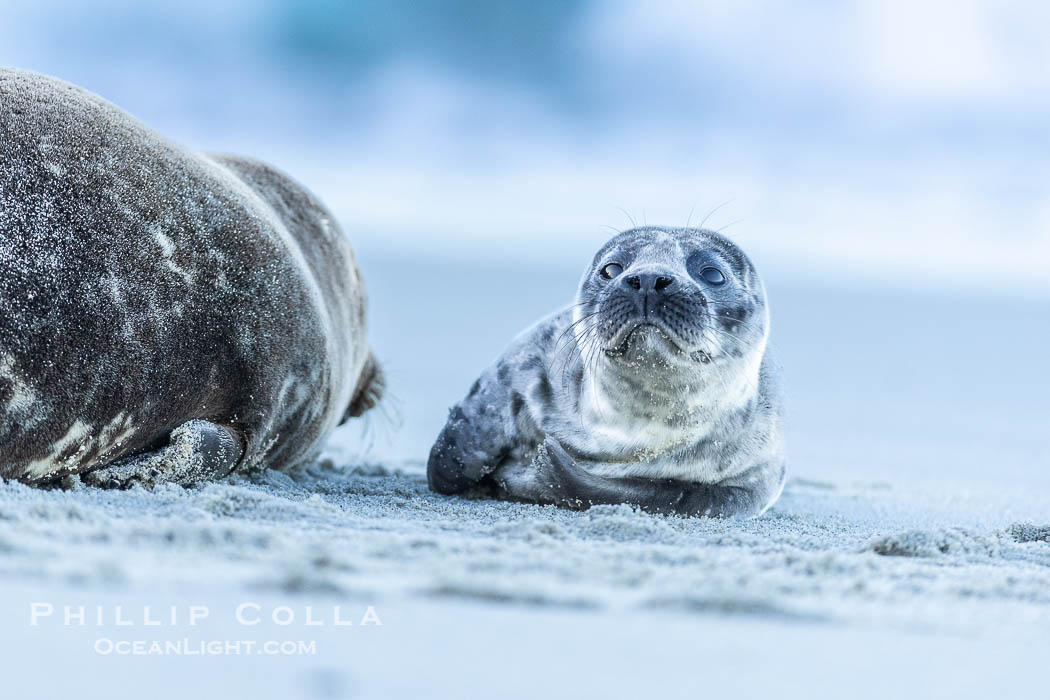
x=879 y=141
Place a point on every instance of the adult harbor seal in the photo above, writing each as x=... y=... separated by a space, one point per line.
x=654 y=389
x=164 y=315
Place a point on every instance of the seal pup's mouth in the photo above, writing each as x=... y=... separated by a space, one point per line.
x=637 y=332
x=650 y=335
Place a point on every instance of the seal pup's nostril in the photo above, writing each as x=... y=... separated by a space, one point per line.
x=648 y=280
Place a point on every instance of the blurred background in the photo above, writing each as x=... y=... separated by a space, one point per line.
x=884 y=163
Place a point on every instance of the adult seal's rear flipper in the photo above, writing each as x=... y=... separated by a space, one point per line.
x=370 y=387
x=197 y=451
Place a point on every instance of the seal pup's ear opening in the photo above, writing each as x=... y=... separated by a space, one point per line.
x=370 y=387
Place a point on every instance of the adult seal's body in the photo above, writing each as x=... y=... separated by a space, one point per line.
x=653 y=389
x=164 y=315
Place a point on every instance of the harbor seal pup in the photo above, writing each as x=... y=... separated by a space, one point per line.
x=164 y=315
x=655 y=389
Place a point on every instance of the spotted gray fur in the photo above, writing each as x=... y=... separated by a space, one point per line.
x=654 y=388
x=143 y=287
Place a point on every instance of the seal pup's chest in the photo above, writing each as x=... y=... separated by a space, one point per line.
x=671 y=443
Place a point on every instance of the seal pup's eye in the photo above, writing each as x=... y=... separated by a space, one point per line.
x=611 y=270
x=713 y=276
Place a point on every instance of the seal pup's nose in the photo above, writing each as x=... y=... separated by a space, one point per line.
x=645 y=281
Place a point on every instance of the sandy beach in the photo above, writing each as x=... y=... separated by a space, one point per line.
x=904 y=548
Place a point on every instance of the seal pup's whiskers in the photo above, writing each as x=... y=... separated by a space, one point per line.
x=712 y=212
x=629 y=217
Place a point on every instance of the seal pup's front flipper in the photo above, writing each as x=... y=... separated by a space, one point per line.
x=197 y=451
x=476 y=438
x=554 y=478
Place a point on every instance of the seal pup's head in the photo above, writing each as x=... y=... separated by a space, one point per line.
x=667 y=304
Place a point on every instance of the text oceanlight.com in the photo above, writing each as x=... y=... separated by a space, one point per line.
x=189 y=647
x=152 y=630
